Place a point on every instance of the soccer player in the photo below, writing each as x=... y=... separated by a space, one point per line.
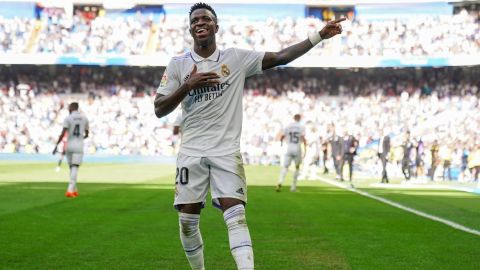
x=295 y=136
x=209 y=82
x=76 y=126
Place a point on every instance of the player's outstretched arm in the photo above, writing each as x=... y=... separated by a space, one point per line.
x=165 y=104
x=287 y=55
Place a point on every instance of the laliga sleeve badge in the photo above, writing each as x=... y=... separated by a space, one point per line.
x=164 y=80
x=225 y=70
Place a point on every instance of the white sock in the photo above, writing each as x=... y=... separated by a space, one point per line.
x=239 y=237
x=191 y=239
x=73 y=178
x=295 y=178
x=283 y=173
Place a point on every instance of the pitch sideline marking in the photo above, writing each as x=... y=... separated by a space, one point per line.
x=435 y=187
x=405 y=208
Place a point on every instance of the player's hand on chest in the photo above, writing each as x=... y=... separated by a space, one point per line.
x=198 y=79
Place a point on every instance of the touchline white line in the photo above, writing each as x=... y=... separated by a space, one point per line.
x=403 y=207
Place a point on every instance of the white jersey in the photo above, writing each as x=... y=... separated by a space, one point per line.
x=178 y=120
x=212 y=116
x=293 y=135
x=76 y=124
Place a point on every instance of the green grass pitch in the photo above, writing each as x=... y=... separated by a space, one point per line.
x=124 y=219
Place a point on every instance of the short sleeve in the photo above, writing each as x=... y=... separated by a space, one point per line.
x=65 y=123
x=251 y=61
x=170 y=81
x=178 y=120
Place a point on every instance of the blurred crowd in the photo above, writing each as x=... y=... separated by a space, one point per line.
x=454 y=122
x=444 y=82
x=444 y=108
x=457 y=34
x=123 y=35
x=120 y=124
x=79 y=79
x=15 y=34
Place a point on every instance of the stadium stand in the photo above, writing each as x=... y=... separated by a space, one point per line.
x=442 y=35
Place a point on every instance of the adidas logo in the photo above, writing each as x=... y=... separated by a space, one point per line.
x=240 y=190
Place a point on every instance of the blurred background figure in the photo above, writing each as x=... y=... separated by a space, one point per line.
x=294 y=135
x=324 y=143
x=419 y=159
x=336 y=146
x=463 y=177
x=446 y=156
x=383 y=153
x=474 y=162
x=350 y=146
x=435 y=159
x=407 y=147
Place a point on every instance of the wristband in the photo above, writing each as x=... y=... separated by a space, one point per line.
x=314 y=38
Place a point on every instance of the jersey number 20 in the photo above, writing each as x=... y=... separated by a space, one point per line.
x=182 y=176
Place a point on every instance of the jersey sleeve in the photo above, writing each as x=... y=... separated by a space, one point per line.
x=251 y=61
x=170 y=81
x=178 y=120
x=66 y=123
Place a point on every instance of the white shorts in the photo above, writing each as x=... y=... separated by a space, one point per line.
x=74 y=158
x=224 y=175
x=295 y=157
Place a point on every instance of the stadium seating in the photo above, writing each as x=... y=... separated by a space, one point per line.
x=424 y=36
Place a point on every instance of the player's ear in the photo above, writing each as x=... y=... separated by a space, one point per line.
x=216 y=28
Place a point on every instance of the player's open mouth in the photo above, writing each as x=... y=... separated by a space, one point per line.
x=201 y=32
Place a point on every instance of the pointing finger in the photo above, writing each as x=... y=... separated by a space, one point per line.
x=339 y=20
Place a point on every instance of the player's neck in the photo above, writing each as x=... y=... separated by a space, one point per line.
x=204 y=51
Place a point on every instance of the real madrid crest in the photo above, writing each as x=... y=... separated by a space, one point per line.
x=225 y=70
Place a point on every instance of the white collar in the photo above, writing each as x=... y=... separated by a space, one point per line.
x=214 y=57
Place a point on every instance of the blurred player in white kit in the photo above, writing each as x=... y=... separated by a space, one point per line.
x=76 y=126
x=294 y=134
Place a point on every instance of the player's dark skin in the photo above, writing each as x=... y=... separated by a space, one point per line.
x=204 y=44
